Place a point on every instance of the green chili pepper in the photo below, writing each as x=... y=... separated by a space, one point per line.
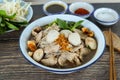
x=0 y=19
x=21 y=23
x=11 y=26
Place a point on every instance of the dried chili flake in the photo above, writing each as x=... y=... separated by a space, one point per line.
x=81 y=11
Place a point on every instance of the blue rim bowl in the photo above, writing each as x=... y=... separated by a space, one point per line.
x=76 y=5
x=48 y=19
x=106 y=10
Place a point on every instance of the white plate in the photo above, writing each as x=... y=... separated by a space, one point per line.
x=29 y=15
x=30 y=11
x=48 y=19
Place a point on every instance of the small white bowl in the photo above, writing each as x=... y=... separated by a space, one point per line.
x=106 y=16
x=76 y=5
x=55 y=2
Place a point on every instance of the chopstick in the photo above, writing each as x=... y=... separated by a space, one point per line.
x=112 y=59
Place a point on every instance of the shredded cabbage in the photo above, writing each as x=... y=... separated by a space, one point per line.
x=16 y=6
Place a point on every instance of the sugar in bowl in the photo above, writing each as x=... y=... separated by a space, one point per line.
x=106 y=16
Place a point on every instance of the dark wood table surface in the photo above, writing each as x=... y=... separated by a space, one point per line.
x=13 y=66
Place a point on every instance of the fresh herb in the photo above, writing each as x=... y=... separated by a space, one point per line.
x=63 y=24
x=70 y=25
x=77 y=24
x=7 y=23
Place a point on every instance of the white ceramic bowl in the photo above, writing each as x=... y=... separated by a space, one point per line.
x=48 y=19
x=106 y=16
x=57 y=2
x=76 y=5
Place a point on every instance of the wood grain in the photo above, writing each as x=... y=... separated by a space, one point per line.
x=13 y=65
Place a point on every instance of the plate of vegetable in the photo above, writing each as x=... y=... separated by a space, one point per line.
x=14 y=14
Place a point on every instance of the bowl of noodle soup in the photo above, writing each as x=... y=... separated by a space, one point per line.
x=44 y=46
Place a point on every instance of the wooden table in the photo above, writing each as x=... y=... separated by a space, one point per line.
x=14 y=67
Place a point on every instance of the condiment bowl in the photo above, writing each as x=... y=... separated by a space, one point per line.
x=84 y=6
x=55 y=7
x=48 y=19
x=106 y=16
